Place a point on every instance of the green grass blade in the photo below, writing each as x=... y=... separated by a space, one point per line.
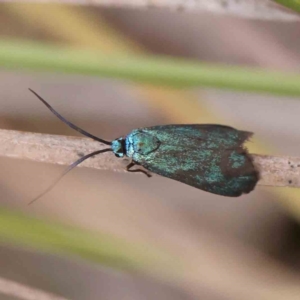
x=21 y=230
x=292 y=4
x=148 y=69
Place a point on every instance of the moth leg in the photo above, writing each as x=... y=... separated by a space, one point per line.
x=137 y=170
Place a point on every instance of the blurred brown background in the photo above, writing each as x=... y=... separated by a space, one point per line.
x=226 y=249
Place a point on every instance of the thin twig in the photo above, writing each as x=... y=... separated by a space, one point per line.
x=258 y=9
x=63 y=150
x=278 y=170
x=55 y=149
x=14 y=289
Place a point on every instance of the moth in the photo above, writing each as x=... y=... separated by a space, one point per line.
x=209 y=157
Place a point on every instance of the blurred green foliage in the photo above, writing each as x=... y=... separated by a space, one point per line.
x=179 y=73
x=21 y=230
x=293 y=4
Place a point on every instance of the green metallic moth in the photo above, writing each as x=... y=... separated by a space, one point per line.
x=206 y=156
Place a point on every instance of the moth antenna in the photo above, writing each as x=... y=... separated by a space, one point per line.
x=73 y=126
x=67 y=170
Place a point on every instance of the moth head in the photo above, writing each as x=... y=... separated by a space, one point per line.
x=118 y=147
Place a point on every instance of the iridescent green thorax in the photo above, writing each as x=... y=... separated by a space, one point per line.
x=139 y=143
x=135 y=144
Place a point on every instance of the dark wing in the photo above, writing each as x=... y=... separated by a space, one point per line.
x=208 y=157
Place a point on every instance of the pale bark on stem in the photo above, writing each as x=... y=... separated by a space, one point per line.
x=20 y=291
x=64 y=150
x=258 y=9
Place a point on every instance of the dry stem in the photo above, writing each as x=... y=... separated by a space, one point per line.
x=63 y=150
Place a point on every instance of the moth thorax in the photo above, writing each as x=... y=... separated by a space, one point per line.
x=144 y=143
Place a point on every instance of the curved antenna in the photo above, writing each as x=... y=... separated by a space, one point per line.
x=67 y=170
x=73 y=126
